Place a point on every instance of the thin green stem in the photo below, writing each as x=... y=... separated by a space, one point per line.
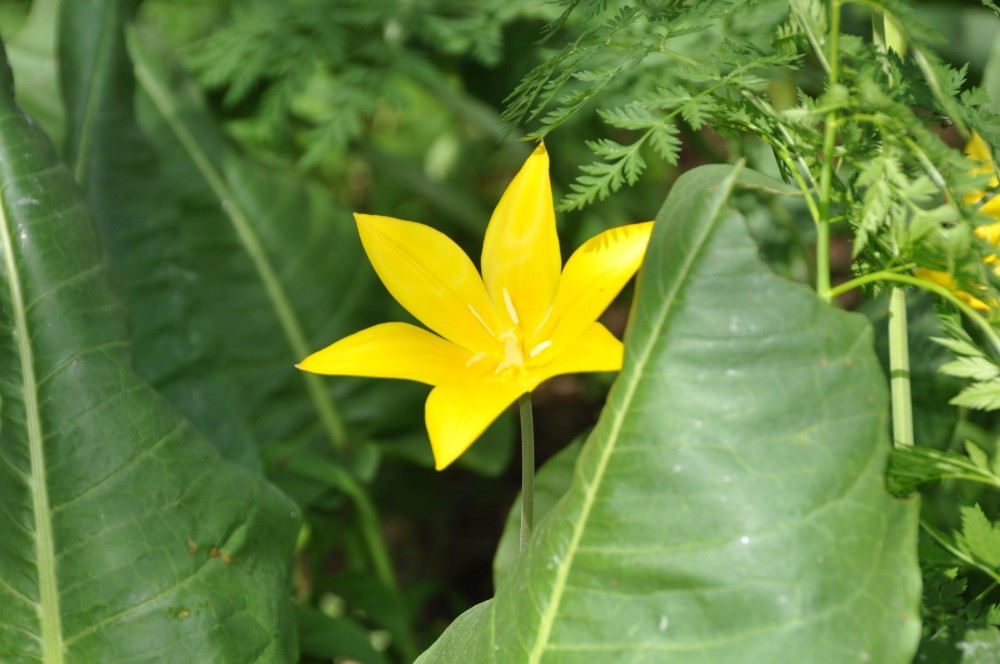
x=899 y=370
x=527 y=469
x=886 y=275
x=833 y=44
x=826 y=170
x=823 y=255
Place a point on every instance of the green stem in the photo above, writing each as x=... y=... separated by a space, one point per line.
x=886 y=275
x=899 y=370
x=368 y=521
x=527 y=469
x=826 y=171
x=823 y=254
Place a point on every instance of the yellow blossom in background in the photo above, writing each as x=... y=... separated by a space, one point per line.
x=497 y=336
x=976 y=150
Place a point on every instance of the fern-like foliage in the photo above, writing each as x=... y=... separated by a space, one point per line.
x=671 y=62
x=972 y=362
x=653 y=71
x=305 y=79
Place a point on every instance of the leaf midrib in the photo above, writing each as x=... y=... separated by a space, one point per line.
x=590 y=493
x=50 y=620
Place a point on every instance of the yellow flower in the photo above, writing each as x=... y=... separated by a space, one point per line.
x=976 y=150
x=497 y=336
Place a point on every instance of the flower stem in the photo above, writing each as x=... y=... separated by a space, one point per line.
x=527 y=469
x=899 y=370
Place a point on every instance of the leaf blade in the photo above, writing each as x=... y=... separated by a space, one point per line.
x=133 y=540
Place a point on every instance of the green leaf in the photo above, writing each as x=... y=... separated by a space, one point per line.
x=328 y=637
x=729 y=506
x=32 y=54
x=958 y=346
x=127 y=190
x=977 y=455
x=262 y=267
x=980 y=646
x=976 y=368
x=981 y=396
x=126 y=536
x=253 y=235
x=979 y=536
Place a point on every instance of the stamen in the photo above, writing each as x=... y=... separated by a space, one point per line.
x=539 y=348
x=481 y=321
x=510 y=307
x=475 y=358
x=544 y=320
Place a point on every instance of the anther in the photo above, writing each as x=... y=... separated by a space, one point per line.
x=475 y=358
x=480 y=319
x=510 y=307
x=539 y=348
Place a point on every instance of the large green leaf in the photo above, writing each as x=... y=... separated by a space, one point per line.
x=137 y=218
x=32 y=54
x=729 y=505
x=280 y=272
x=126 y=538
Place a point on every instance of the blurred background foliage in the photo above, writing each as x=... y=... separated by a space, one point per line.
x=417 y=109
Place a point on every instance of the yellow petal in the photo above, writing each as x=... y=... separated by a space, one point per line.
x=977 y=150
x=432 y=278
x=392 y=350
x=990 y=207
x=596 y=349
x=944 y=279
x=593 y=276
x=457 y=414
x=521 y=259
x=990 y=232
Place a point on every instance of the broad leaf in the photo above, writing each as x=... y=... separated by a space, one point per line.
x=138 y=219
x=278 y=264
x=125 y=536
x=32 y=54
x=729 y=505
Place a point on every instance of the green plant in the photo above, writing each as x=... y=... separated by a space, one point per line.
x=176 y=235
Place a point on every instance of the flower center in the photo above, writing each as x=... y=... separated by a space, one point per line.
x=512 y=355
x=516 y=357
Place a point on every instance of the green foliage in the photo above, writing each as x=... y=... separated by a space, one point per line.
x=127 y=537
x=633 y=50
x=307 y=82
x=971 y=362
x=218 y=148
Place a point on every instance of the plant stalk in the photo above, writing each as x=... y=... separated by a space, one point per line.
x=899 y=370
x=888 y=275
x=527 y=469
x=826 y=170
